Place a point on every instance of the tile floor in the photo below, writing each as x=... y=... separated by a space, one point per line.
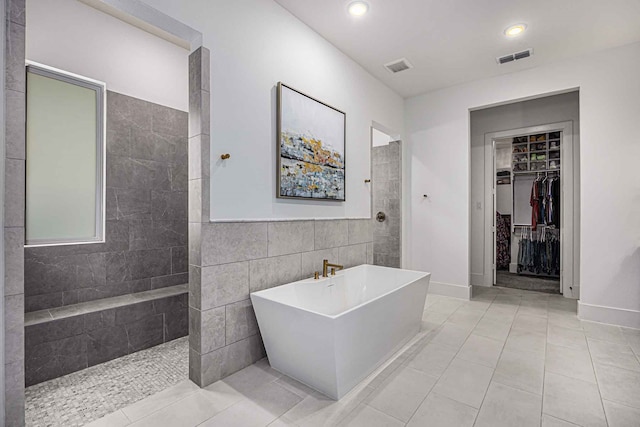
x=81 y=397
x=506 y=358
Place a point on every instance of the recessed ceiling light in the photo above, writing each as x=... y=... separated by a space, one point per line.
x=515 y=30
x=358 y=8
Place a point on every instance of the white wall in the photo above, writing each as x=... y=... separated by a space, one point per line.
x=254 y=44
x=437 y=128
x=74 y=37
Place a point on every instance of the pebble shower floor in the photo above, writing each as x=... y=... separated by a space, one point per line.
x=81 y=397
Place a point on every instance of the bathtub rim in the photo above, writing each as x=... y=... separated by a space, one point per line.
x=257 y=294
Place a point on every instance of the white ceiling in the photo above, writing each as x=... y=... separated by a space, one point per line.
x=455 y=41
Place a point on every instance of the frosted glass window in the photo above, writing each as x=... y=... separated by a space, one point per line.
x=64 y=202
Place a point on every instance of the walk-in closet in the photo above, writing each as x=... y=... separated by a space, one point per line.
x=525 y=195
x=528 y=206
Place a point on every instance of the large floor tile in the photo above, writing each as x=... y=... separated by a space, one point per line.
x=549 y=421
x=619 y=385
x=446 y=306
x=243 y=414
x=465 y=382
x=603 y=332
x=531 y=323
x=466 y=317
x=190 y=411
x=160 y=400
x=507 y=406
x=609 y=353
x=274 y=398
x=366 y=416
x=536 y=310
x=482 y=350
x=252 y=377
x=440 y=411
x=490 y=328
x=401 y=394
x=565 y=320
x=573 y=400
x=433 y=359
x=522 y=370
x=533 y=342
x=114 y=419
x=567 y=337
x=621 y=415
x=451 y=335
x=432 y=319
x=335 y=413
x=570 y=362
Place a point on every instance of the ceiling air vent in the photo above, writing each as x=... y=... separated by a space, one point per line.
x=514 y=56
x=398 y=65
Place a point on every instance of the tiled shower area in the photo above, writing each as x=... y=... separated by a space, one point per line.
x=94 y=303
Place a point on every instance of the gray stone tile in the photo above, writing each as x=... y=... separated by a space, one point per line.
x=179 y=176
x=148 y=263
x=128 y=203
x=465 y=382
x=55 y=358
x=353 y=255
x=169 y=205
x=176 y=316
x=227 y=360
x=570 y=362
x=207 y=329
x=370 y=253
x=106 y=344
x=145 y=333
x=223 y=284
x=127 y=111
x=153 y=234
x=199 y=113
x=156 y=146
x=15 y=78
x=199 y=200
x=269 y=272
x=172 y=280
x=168 y=121
x=331 y=233
x=15 y=124
x=16 y=11
x=14 y=261
x=289 y=237
x=14 y=186
x=14 y=394
x=179 y=260
x=199 y=157
x=13 y=324
x=312 y=261
x=240 y=321
x=232 y=242
x=118 y=138
x=195 y=244
x=360 y=231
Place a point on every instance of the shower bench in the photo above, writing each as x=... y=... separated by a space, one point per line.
x=66 y=339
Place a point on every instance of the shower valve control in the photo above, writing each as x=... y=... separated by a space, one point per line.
x=380 y=216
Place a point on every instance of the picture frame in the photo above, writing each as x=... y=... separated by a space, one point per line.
x=311 y=145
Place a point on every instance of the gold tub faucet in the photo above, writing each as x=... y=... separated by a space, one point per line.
x=325 y=268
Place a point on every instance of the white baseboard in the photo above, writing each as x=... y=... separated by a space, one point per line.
x=450 y=290
x=610 y=315
x=513 y=267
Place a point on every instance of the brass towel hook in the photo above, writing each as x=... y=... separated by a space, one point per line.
x=225 y=156
x=367 y=181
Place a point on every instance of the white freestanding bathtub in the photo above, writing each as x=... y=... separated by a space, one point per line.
x=331 y=333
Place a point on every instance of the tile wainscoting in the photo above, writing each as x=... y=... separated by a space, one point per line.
x=244 y=257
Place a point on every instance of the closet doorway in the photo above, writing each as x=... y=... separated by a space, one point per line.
x=527 y=205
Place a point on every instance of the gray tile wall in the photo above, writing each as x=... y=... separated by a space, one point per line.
x=387 y=198
x=224 y=335
x=59 y=347
x=227 y=261
x=14 y=162
x=146 y=215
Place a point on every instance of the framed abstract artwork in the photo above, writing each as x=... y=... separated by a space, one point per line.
x=311 y=148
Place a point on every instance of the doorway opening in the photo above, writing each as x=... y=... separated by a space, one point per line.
x=527 y=205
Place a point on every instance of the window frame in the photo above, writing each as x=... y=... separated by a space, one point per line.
x=100 y=89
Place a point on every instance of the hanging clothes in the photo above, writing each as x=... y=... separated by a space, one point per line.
x=539 y=252
x=503 y=241
x=545 y=202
